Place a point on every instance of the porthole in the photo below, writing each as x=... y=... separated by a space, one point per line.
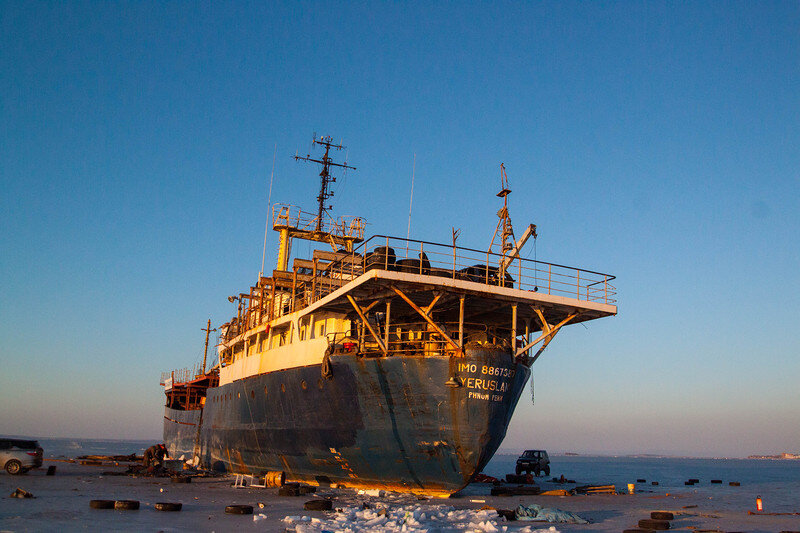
x=253 y=394
x=238 y=394
x=283 y=387
x=265 y=390
x=303 y=384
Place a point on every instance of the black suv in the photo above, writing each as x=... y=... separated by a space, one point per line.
x=535 y=461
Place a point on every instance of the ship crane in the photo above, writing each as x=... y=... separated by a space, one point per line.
x=508 y=248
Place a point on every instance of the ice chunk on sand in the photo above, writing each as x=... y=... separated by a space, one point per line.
x=407 y=518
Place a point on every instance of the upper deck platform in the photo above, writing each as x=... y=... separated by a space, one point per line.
x=483 y=303
x=421 y=270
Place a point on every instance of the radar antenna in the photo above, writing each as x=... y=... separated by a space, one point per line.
x=292 y=223
x=325 y=174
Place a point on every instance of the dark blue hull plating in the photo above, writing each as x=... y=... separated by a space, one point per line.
x=180 y=432
x=390 y=422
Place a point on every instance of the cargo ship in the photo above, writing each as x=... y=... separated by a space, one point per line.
x=380 y=362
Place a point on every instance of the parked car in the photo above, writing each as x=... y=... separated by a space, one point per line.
x=18 y=456
x=535 y=461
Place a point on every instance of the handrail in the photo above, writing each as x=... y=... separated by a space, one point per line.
x=450 y=246
x=310 y=284
x=290 y=216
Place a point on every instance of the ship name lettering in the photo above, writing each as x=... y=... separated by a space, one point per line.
x=497 y=371
x=483 y=396
x=467 y=367
x=487 y=384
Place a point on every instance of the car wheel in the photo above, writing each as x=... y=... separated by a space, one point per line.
x=547 y=470
x=536 y=472
x=13 y=467
x=519 y=470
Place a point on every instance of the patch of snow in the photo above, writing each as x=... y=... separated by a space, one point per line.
x=406 y=519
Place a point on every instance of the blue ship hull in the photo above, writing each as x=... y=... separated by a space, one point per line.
x=387 y=422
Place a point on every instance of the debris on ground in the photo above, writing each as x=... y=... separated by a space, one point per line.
x=407 y=518
x=595 y=489
x=536 y=512
x=132 y=458
x=483 y=478
x=520 y=479
x=21 y=493
x=517 y=490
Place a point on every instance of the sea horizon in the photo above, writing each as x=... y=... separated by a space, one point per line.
x=500 y=452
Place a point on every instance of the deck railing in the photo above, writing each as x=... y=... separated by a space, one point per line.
x=311 y=281
x=290 y=216
x=181 y=375
x=455 y=262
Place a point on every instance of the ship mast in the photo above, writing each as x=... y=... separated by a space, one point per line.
x=208 y=330
x=298 y=225
x=325 y=174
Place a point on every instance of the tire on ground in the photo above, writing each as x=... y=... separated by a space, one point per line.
x=508 y=514
x=649 y=523
x=662 y=515
x=126 y=505
x=318 y=505
x=101 y=504
x=289 y=490
x=13 y=467
x=239 y=509
x=167 y=506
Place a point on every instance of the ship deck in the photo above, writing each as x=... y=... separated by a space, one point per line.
x=458 y=285
x=489 y=304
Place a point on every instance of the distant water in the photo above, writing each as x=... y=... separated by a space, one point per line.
x=71 y=448
x=777 y=482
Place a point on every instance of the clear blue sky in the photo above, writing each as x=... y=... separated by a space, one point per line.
x=657 y=141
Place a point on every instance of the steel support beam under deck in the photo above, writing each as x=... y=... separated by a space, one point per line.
x=424 y=315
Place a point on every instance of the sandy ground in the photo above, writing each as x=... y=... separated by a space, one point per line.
x=61 y=503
